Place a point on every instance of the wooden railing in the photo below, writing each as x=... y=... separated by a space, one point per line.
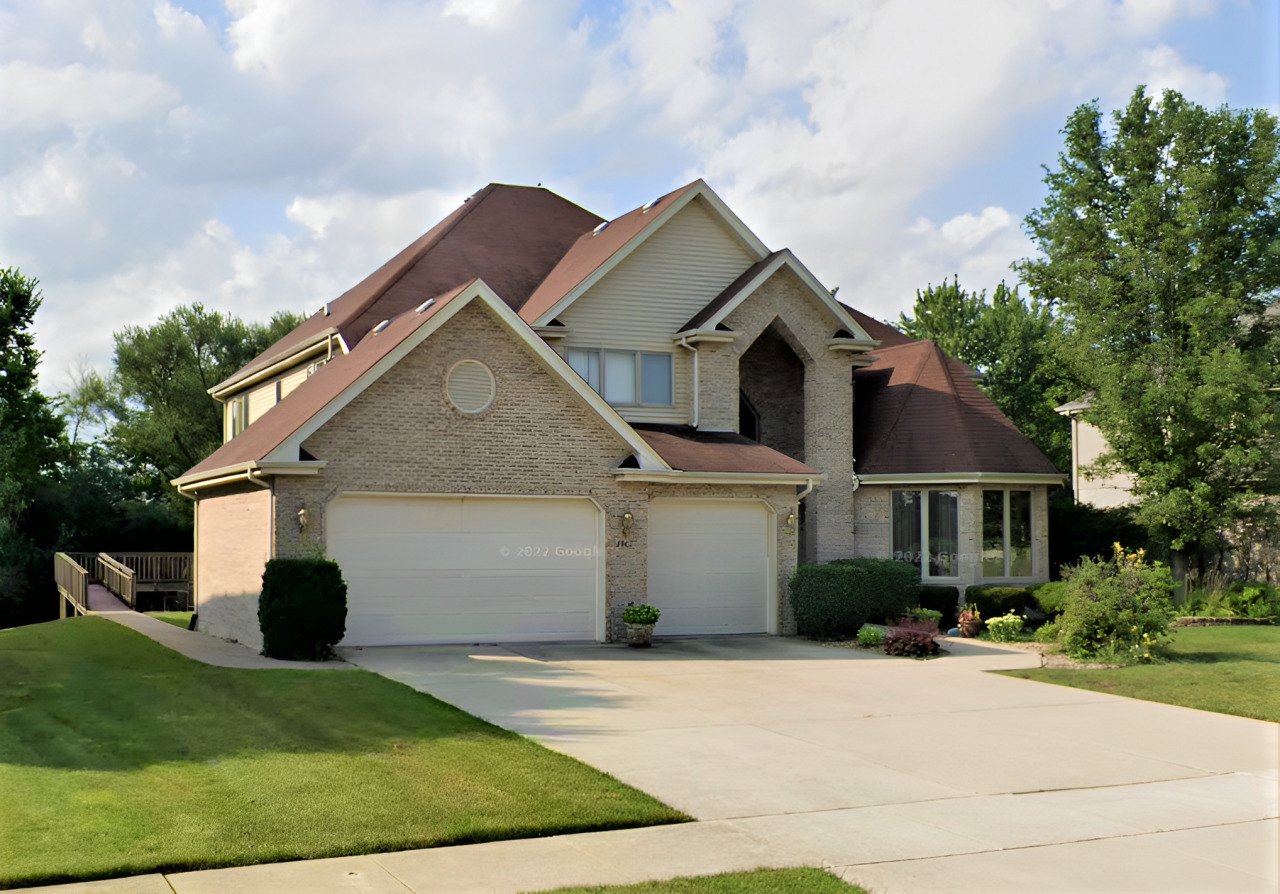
x=73 y=584
x=158 y=571
x=119 y=579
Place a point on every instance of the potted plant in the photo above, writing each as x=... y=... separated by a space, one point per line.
x=640 y=619
x=970 y=622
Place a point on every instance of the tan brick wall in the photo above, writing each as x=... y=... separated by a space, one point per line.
x=828 y=402
x=717 y=387
x=233 y=543
x=402 y=436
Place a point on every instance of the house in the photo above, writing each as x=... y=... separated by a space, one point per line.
x=1088 y=444
x=531 y=417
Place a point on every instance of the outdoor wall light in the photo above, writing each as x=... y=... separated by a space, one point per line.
x=791 y=521
x=627 y=519
x=302 y=519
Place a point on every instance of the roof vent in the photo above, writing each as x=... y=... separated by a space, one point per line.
x=600 y=229
x=326 y=308
x=426 y=305
x=383 y=325
x=649 y=204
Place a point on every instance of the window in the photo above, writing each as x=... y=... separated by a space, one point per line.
x=626 y=377
x=1006 y=533
x=239 y=414
x=926 y=530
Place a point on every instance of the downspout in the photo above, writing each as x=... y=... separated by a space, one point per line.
x=684 y=343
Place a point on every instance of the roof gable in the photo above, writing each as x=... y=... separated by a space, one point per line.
x=917 y=411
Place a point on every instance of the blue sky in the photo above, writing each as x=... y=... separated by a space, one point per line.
x=259 y=155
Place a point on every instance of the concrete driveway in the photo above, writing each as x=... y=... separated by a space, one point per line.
x=904 y=776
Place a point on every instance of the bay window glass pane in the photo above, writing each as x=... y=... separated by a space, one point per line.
x=619 y=377
x=655 y=379
x=993 y=533
x=944 y=533
x=587 y=365
x=906 y=526
x=1020 y=533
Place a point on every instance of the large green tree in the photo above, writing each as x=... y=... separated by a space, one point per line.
x=1160 y=246
x=165 y=421
x=1011 y=342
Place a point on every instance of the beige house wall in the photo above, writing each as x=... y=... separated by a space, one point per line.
x=233 y=544
x=1103 y=491
x=402 y=435
x=263 y=396
x=873 y=536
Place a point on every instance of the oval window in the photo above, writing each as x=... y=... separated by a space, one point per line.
x=470 y=386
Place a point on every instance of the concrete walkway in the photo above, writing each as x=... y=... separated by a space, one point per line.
x=901 y=776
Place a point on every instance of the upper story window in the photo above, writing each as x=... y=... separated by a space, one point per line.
x=626 y=378
x=1006 y=533
x=239 y=414
x=926 y=530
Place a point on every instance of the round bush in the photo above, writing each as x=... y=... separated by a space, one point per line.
x=1004 y=629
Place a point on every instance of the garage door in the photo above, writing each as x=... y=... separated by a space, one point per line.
x=710 y=566
x=466 y=569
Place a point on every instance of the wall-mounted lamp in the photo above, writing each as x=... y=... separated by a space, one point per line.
x=302 y=520
x=627 y=519
x=791 y=521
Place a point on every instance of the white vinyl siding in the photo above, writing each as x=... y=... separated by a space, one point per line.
x=652 y=293
x=262 y=397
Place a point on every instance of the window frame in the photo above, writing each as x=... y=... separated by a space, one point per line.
x=637 y=373
x=922 y=559
x=1006 y=531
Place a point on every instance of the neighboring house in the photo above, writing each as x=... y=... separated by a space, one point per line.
x=531 y=417
x=1087 y=446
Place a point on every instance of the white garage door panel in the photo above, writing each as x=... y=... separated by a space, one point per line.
x=466 y=569
x=709 y=566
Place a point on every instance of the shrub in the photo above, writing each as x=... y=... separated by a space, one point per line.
x=1047 y=633
x=870 y=636
x=993 y=601
x=1118 y=609
x=925 y=614
x=640 y=614
x=833 y=601
x=910 y=638
x=1005 y=629
x=303 y=608
x=1049 y=598
x=941 y=599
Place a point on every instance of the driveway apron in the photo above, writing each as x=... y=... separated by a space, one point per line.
x=900 y=775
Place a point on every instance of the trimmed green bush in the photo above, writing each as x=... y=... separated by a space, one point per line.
x=302 y=611
x=833 y=601
x=1050 y=598
x=941 y=599
x=870 y=636
x=993 y=601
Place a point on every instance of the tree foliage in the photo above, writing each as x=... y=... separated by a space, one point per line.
x=165 y=420
x=1011 y=342
x=1160 y=241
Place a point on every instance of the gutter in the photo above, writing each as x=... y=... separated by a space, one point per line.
x=676 y=476
x=320 y=343
x=251 y=472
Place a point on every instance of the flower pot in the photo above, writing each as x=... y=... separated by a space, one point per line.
x=639 y=635
x=970 y=627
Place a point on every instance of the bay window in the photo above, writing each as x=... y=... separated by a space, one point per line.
x=626 y=378
x=1006 y=533
x=926 y=530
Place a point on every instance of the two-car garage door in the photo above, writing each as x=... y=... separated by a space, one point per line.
x=467 y=569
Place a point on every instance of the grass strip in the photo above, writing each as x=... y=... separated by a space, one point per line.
x=177 y=619
x=1230 y=670
x=758 y=881
x=120 y=757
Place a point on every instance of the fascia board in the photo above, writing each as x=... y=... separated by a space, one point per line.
x=479 y=290
x=241 y=471
x=676 y=476
x=861 y=341
x=290 y=358
x=964 y=478
x=698 y=189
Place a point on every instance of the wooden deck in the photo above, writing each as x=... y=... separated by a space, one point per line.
x=87 y=580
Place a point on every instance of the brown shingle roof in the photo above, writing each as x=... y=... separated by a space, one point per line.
x=509 y=236
x=691 y=450
x=917 y=411
x=881 y=332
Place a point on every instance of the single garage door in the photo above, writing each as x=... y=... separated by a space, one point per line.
x=467 y=569
x=710 y=566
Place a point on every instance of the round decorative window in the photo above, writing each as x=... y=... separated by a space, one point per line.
x=470 y=386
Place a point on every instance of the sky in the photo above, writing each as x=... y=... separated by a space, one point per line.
x=266 y=155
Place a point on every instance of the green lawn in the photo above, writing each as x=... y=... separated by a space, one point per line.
x=119 y=757
x=177 y=619
x=1231 y=670
x=759 y=881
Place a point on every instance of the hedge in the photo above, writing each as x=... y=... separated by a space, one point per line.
x=1050 y=598
x=942 y=599
x=993 y=601
x=302 y=611
x=832 y=601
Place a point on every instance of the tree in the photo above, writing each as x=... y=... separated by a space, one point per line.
x=1011 y=343
x=166 y=422
x=31 y=445
x=1160 y=242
